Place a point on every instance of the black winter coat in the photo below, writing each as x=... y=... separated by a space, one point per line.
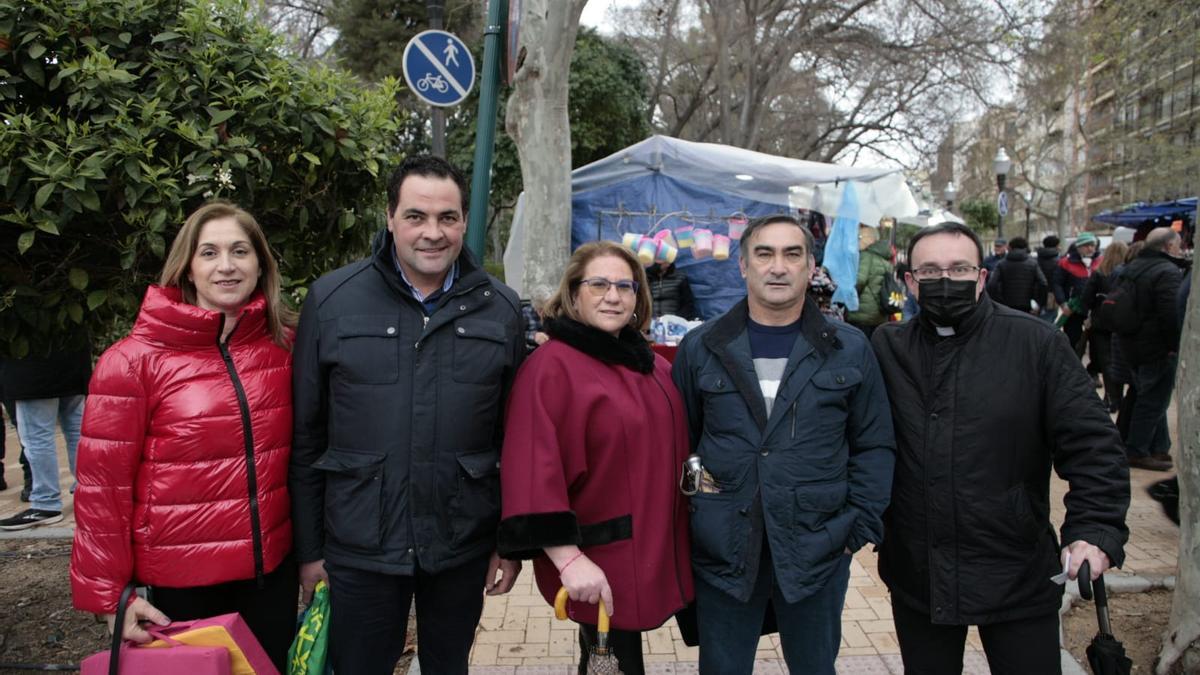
x=670 y=292
x=62 y=373
x=1157 y=277
x=981 y=418
x=399 y=417
x=1017 y=280
x=1047 y=260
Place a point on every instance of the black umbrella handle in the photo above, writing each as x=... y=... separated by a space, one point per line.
x=1089 y=589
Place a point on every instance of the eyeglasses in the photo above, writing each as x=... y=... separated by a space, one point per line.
x=598 y=286
x=954 y=272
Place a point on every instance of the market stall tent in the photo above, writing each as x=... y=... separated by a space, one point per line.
x=1142 y=217
x=666 y=183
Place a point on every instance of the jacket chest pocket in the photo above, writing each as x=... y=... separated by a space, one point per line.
x=831 y=391
x=369 y=349
x=725 y=410
x=480 y=351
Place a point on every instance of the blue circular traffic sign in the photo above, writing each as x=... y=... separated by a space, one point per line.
x=439 y=68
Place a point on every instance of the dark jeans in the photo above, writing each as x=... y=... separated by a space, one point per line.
x=626 y=645
x=369 y=617
x=270 y=611
x=1013 y=648
x=1148 y=433
x=809 y=630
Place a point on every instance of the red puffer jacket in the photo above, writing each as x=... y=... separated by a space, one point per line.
x=183 y=460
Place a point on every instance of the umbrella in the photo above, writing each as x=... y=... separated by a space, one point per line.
x=1106 y=655
x=601 y=661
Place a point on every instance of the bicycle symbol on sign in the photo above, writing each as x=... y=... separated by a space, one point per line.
x=435 y=82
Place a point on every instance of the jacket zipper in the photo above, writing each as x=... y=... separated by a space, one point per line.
x=794 y=420
x=251 y=473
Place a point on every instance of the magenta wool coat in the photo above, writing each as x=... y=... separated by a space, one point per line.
x=592 y=455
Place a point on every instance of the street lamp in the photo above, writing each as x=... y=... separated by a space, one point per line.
x=1001 y=163
x=1028 y=202
x=949 y=193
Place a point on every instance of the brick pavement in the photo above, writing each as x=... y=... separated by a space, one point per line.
x=519 y=636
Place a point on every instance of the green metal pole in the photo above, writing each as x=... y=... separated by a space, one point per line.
x=485 y=131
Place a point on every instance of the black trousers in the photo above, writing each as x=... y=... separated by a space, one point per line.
x=369 y=617
x=10 y=409
x=626 y=645
x=270 y=611
x=1016 y=647
x=1125 y=413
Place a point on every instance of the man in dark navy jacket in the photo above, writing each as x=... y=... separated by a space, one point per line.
x=788 y=414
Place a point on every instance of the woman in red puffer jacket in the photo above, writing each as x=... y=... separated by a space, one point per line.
x=182 y=466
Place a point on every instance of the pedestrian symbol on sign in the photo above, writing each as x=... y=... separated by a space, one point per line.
x=439 y=68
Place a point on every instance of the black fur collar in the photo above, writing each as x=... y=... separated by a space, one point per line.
x=630 y=349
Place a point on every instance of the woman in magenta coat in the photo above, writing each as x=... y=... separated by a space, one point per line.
x=594 y=444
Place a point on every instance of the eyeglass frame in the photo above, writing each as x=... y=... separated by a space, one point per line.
x=625 y=287
x=946 y=272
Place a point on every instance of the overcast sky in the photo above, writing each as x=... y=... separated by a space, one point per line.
x=595 y=13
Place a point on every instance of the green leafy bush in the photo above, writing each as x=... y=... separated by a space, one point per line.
x=120 y=118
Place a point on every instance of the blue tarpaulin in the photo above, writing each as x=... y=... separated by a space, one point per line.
x=1144 y=215
x=841 y=251
x=604 y=213
x=665 y=183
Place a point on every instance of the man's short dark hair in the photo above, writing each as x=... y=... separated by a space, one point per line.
x=946 y=228
x=427 y=166
x=1018 y=242
x=759 y=223
x=1050 y=241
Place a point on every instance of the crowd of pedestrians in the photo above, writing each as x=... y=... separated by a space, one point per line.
x=417 y=432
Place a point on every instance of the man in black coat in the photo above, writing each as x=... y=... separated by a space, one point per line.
x=1017 y=281
x=999 y=250
x=986 y=400
x=1153 y=351
x=401 y=367
x=1047 y=260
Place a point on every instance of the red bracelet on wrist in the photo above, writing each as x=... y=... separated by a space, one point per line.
x=564 y=567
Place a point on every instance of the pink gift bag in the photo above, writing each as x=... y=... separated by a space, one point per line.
x=179 y=658
x=219 y=645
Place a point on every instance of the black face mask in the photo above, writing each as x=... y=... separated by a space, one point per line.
x=946 y=301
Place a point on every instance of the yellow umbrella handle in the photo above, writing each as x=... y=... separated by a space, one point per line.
x=560 y=604
x=560 y=610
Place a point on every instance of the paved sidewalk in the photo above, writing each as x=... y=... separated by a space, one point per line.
x=519 y=636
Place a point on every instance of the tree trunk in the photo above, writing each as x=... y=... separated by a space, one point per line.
x=1181 y=645
x=721 y=30
x=537 y=122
